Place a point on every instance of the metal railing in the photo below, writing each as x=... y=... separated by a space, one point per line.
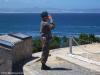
x=78 y=45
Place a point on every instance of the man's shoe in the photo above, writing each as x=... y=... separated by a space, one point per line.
x=45 y=67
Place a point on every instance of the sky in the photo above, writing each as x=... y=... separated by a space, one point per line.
x=61 y=4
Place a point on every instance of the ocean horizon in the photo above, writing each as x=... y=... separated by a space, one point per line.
x=51 y=12
x=66 y=23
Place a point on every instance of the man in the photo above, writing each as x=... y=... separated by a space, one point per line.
x=1 y=61
x=46 y=36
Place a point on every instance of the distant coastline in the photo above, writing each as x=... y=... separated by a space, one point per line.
x=55 y=12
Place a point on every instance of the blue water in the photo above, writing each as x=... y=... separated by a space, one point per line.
x=66 y=24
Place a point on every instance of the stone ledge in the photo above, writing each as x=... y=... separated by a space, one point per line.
x=80 y=63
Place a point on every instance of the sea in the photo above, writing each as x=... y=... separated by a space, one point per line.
x=65 y=23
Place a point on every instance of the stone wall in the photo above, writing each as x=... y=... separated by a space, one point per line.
x=22 y=49
x=6 y=58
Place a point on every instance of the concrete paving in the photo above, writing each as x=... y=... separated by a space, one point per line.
x=61 y=64
x=58 y=67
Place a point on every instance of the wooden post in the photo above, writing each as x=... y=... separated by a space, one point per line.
x=70 y=44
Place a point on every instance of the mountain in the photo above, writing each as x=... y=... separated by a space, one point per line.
x=51 y=10
x=31 y=10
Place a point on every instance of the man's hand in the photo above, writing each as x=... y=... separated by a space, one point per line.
x=52 y=22
x=44 y=38
x=50 y=17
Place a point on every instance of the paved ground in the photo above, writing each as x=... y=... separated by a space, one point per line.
x=60 y=67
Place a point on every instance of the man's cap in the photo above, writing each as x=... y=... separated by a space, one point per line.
x=44 y=14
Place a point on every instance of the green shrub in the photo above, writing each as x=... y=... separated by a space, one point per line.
x=56 y=38
x=88 y=38
x=65 y=41
x=84 y=39
x=77 y=40
x=92 y=38
x=37 y=45
x=59 y=42
x=54 y=45
x=97 y=39
x=56 y=42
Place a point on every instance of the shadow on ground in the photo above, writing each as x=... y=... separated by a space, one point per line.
x=61 y=69
x=18 y=67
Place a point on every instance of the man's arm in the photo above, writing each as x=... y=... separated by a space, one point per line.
x=1 y=61
x=52 y=26
x=43 y=27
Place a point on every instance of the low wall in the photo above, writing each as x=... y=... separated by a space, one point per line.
x=21 y=49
